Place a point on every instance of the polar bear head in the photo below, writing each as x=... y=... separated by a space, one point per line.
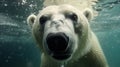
x=61 y=31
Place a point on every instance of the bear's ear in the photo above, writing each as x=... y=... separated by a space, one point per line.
x=88 y=14
x=31 y=20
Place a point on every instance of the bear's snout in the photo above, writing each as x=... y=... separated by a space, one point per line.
x=58 y=46
x=57 y=42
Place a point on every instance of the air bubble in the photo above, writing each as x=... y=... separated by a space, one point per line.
x=5 y=4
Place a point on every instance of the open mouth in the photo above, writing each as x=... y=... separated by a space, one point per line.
x=58 y=45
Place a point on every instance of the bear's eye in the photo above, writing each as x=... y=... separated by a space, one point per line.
x=71 y=16
x=43 y=19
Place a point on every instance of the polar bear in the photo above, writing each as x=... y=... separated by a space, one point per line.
x=65 y=38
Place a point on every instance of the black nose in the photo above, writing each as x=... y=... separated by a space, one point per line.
x=57 y=42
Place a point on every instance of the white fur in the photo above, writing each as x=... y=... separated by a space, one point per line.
x=79 y=4
x=86 y=51
x=31 y=20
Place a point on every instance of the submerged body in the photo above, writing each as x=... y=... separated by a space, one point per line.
x=65 y=38
x=82 y=49
x=94 y=58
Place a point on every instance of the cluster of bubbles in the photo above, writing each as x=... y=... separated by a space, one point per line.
x=105 y=5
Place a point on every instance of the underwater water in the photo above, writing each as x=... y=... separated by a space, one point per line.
x=18 y=49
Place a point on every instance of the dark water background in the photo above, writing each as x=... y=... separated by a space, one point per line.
x=18 y=49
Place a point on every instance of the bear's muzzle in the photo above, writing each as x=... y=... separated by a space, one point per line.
x=58 y=45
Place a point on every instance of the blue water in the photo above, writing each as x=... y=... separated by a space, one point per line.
x=18 y=49
x=107 y=28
